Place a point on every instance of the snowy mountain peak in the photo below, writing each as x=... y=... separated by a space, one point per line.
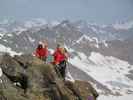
x=94 y=41
x=84 y=37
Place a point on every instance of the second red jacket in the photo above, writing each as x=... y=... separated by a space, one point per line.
x=58 y=57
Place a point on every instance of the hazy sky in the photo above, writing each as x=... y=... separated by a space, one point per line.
x=98 y=11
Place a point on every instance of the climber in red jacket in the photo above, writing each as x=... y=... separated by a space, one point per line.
x=41 y=52
x=60 y=59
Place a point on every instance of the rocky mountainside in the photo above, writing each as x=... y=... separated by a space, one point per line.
x=28 y=78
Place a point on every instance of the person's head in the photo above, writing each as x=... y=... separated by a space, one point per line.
x=45 y=43
x=62 y=50
x=39 y=46
x=58 y=45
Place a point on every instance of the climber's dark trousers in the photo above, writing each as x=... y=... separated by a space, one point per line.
x=62 y=68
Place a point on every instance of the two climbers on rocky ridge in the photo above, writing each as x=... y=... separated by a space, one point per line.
x=41 y=82
x=60 y=56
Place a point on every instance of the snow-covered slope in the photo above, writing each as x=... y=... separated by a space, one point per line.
x=125 y=97
x=4 y=49
x=107 y=70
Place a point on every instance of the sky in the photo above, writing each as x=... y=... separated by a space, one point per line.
x=96 y=11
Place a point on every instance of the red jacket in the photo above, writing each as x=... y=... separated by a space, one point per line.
x=42 y=52
x=58 y=57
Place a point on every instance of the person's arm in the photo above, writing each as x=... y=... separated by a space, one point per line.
x=46 y=52
x=36 y=53
x=66 y=56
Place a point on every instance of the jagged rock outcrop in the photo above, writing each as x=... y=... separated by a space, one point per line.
x=28 y=78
